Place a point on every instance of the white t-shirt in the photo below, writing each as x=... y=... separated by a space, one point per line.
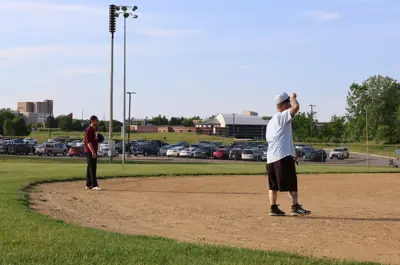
x=279 y=136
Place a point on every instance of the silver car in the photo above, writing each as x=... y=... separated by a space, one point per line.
x=340 y=153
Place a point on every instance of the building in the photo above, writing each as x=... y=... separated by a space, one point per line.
x=177 y=129
x=36 y=112
x=143 y=129
x=247 y=125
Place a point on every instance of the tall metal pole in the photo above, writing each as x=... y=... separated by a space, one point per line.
x=366 y=130
x=129 y=119
x=129 y=114
x=233 y=126
x=124 y=112
x=110 y=127
x=311 y=120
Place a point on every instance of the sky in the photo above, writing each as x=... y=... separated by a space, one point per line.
x=195 y=58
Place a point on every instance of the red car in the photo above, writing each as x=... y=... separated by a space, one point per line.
x=76 y=151
x=221 y=153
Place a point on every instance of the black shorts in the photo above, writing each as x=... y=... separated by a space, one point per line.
x=282 y=175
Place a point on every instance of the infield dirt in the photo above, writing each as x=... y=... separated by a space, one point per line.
x=354 y=216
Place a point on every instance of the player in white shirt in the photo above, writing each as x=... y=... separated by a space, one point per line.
x=281 y=169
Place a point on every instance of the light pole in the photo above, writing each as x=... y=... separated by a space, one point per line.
x=126 y=15
x=112 y=22
x=129 y=114
x=233 y=133
x=366 y=133
x=311 y=120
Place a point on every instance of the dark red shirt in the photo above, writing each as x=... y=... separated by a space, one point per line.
x=91 y=137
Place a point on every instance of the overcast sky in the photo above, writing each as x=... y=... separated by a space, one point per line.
x=189 y=58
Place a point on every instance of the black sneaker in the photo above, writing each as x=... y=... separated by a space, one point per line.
x=275 y=211
x=297 y=209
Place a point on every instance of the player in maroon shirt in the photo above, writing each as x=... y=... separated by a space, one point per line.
x=91 y=147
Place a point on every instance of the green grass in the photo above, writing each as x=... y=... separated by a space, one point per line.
x=27 y=237
x=169 y=137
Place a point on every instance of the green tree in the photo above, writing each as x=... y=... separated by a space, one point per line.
x=378 y=97
x=301 y=126
x=4 y=115
x=65 y=123
x=336 y=129
x=51 y=122
x=19 y=126
x=8 y=128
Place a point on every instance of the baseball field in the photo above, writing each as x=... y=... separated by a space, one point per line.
x=195 y=214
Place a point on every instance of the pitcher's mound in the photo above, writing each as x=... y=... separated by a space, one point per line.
x=353 y=216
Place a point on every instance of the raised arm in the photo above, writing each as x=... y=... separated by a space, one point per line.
x=295 y=104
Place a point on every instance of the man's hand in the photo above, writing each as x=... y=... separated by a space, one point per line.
x=94 y=155
x=295 y=105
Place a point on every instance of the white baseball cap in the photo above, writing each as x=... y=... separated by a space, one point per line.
x=281 y=97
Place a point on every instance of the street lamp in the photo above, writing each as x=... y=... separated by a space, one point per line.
x=129 y=114
x=126 y=15
x=112 y=28
x=366 y=133
x=311 y=120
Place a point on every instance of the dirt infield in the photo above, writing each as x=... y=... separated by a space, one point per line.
x=354 y=216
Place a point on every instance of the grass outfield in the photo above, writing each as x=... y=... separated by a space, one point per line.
x=30 y=238
x=169 y=137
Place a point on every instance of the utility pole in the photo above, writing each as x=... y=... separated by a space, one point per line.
x=126 y=15
x=112 y=28
x=366 y=132
x=233 y=126
x=312 y=118
x=129 y=115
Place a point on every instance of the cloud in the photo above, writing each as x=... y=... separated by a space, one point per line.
x=322 y=16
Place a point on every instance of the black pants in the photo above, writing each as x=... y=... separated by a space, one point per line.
x=91 y=171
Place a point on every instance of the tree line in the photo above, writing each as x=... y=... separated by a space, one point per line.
x=373 y=111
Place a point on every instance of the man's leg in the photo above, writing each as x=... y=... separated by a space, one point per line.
x=94 y=172
x=294 y=196
x=290 y=184
x=88 y=176
x=273 y=196
x=273 y=190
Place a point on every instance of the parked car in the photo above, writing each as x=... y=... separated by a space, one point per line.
x=17 y=141
x=52 y=149
x=164 y=149
x=222 y=152
x=175 y=151
x=315 y=156
x=76 y=151
x=236 y=153
x=187 y=152
x=201 y=152
x=20 y=149
x=149 y=150
x=340 y=153
x=30 y=141
x=252 y=154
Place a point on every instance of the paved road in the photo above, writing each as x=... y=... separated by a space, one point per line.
x=354 y=159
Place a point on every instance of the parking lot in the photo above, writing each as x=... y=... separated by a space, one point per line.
x=183 y=152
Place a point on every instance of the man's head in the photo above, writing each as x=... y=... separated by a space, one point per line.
x=94 y=121
x=282 y=101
